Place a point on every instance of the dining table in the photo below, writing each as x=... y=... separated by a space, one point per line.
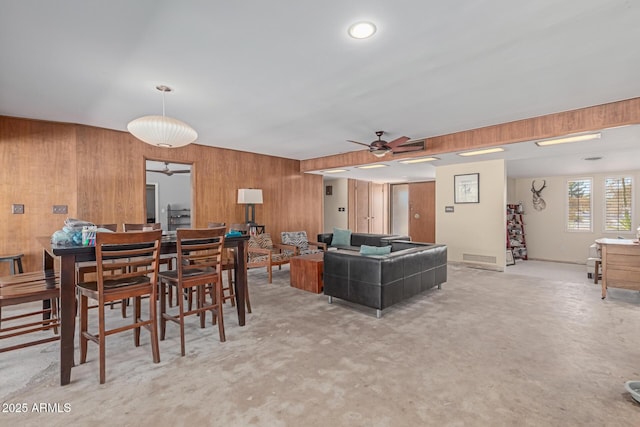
x=70 y=255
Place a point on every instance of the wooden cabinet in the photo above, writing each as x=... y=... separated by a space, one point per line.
x=620 y=264
x=178 y=218
x=516 y=236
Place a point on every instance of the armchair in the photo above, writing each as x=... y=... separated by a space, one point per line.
x=262 y=252
x=301 y=242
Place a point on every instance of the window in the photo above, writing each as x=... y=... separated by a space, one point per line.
x=579 y=206
x=617 y=204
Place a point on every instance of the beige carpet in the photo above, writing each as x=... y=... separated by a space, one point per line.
x=489 y=349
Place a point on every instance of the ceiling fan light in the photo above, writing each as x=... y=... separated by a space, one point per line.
x=162 y=131
x=380 y=153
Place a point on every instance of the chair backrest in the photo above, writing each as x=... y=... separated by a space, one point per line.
x=129 y=258
x=112 y=227
x=199 y=249
x=295 y=238
x=126 y=227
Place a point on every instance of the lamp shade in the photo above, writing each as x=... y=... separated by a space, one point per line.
x=249 y=196
x=162 y=131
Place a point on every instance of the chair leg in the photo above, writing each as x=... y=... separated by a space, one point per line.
x=84 y=311
x=102 y=343
x=201 y=293
x=180 y=290
x=269 y=273
x=163 y=308
x=218 y=311
x=55 y=314
x=136 y=318
x=246 y=297
x=155 y=346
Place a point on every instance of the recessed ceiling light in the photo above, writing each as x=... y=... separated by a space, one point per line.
x=576 y=138
x=334 y=171
x=377 y=165
x=362 y=30
x=419 y=160
x=479 y=152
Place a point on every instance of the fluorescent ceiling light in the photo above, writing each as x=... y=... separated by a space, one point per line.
x=378 y=165
x=362 y=30
x=334 y=171
x=479 y=152
x=419 y=160
x=576 y=138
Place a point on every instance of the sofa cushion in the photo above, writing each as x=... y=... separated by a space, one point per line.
x=375 y=250
x=341 y=237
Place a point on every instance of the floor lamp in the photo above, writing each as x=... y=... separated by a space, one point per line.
x=250 y=197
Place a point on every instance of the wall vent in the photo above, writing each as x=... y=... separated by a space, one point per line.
x=479 y=258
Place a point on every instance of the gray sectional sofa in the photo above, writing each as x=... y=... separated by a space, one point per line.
x=380 y=281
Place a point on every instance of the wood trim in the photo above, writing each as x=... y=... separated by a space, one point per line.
x=598 y=117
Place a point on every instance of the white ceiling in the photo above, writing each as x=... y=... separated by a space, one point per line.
x=284 y=78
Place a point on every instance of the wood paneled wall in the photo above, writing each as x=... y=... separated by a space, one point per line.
x=582 y=120
x=100 y=175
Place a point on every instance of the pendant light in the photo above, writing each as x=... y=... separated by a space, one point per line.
x=162 y=131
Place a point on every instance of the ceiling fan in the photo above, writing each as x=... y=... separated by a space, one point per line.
x=399 y=145
x=168 y=171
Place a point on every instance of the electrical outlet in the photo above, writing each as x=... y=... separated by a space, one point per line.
x=17 y=209
x=60 y=209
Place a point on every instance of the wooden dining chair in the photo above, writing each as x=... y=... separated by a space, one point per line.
x=228 y=265
x=23 y=289
x=200 y=253
x=165 y=260
x=127 y=267
x=84 y=269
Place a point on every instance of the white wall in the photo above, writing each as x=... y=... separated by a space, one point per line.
x=474 y=232
x=545 y=231
x=339 y=198
x=174 y=190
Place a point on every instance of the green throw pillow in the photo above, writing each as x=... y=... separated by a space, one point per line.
x=341 y=237
x=375 y=250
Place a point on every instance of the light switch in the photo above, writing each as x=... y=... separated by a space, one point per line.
x=60 y=209
x=17 y=209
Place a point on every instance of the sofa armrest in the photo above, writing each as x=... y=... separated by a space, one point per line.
x=325 y=238
x=319 y=245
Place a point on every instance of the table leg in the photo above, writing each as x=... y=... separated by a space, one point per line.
x=241 y=280
x=67 y=316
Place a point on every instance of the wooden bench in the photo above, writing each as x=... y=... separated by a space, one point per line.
x=27 y=288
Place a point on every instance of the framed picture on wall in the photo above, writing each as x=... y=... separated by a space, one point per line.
x=466 y=188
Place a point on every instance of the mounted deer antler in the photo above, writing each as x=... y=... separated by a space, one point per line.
x=538 y=202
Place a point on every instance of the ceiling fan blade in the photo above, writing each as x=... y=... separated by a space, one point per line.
x=356 y=142
x=181 y=171
x=398 y=141
x=155 y=170
x=408 y=148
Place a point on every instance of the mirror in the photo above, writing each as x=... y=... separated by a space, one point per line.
x=168 y=194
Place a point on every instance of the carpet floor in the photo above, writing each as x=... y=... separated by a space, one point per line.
x=519 y=348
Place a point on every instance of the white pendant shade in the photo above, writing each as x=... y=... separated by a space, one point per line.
x=162 y=131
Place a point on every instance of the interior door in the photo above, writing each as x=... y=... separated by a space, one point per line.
x=370 y=206
x=362 y=206
x=422 y=211
x=377 y=205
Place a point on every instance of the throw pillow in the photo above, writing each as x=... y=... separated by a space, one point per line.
x=341 y=237
x=375 y=250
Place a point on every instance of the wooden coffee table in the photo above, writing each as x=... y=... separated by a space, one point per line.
x=306 y=272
